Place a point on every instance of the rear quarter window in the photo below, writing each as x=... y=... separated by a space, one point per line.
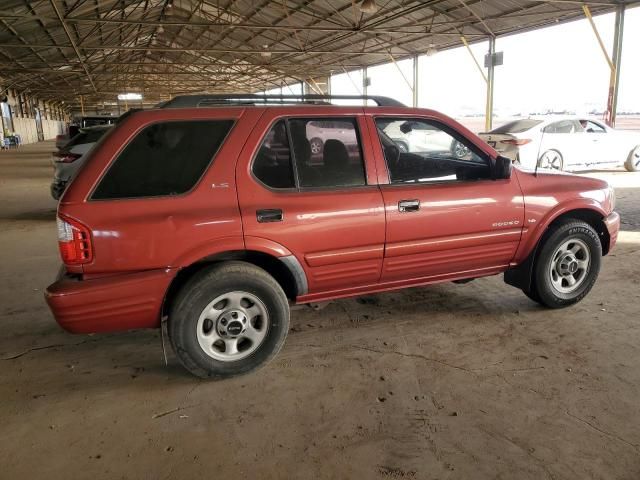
x=163 y=159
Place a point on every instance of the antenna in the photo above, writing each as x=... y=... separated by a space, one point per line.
x=535 y=171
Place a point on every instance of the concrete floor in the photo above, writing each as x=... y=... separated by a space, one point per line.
x=452 y=381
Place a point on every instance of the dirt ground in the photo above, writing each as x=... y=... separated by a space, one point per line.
x=445 y=382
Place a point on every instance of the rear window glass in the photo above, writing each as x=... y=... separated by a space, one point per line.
x=87 y=136
x=517 y=126
x=163 y=159
x=79 y=139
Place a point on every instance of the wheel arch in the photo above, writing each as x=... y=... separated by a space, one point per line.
x=286 y=270
x=521 y=275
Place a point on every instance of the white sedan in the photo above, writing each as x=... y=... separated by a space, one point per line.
x=566 y=143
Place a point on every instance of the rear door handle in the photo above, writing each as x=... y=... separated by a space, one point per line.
x=269 y=215
x=409 y=205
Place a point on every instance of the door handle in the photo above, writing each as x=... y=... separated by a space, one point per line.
x=269 y=215
x=409 y=205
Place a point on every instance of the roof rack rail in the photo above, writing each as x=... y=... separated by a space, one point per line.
x=204 y=100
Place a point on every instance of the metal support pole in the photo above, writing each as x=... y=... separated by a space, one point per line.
x=614 y=64
x=614 y=79
x=355 y=85
x=475 y=60
x=415 y=81
x=406 y=80
x=488 y=114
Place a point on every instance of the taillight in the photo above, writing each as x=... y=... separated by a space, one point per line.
x=65 y=157
x=74 y=241
x=516 y=141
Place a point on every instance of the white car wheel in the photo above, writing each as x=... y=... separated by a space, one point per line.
x=633 y=162
x=551 y=160
x=316 y=146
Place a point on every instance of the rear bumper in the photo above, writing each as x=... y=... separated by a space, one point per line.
x=612 y=222
x=109 y=304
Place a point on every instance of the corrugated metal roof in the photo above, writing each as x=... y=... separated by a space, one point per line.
x=63 y=49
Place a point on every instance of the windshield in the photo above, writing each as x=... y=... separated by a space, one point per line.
x=517 y=126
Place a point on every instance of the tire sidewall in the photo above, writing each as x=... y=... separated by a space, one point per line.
x=183 y=323
x=629 y=164
x=544 y=289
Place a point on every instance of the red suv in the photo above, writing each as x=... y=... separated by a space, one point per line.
x=215 y=213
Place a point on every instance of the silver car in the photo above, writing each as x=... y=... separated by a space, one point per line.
x=68 y=160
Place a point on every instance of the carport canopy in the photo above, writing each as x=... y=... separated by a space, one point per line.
x=90 y=51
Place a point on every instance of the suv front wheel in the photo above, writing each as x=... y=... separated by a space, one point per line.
x=568 y=264
x=229 y=319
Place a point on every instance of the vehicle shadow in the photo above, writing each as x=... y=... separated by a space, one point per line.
x=135 y=359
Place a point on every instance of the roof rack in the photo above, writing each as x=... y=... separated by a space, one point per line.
x=191 y=101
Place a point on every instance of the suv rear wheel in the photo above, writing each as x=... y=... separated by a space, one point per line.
x=229 y=319
x=568 y=264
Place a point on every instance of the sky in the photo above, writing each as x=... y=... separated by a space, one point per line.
x=558 y=68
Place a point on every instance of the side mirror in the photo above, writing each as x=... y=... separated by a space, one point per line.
x=502 y=168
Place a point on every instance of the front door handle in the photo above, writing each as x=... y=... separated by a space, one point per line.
x=409 y=205
x=269 y=215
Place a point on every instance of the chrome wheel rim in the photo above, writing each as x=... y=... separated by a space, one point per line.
x=551 y=160
x=232 y=326
x=459 y=150
x=569 y=266
x=315 y=147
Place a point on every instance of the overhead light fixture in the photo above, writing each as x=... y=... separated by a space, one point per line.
x=368 y=6
x=266 y=53
x=431 y=51
x=130 y=96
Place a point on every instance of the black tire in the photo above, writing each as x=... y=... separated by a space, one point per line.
x=532 y=294
x=543 y=290
x=204 y=287
x=633 y=161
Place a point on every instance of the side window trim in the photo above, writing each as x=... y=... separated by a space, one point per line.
x=454 y=134
x=292 y=154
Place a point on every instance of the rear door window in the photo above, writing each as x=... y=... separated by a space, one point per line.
x=272 y=165
x=163 y=159
x=563 y=126
x=327 y=152
x=307 y=153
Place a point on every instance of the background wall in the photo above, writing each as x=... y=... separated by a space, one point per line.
x=26 y=128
